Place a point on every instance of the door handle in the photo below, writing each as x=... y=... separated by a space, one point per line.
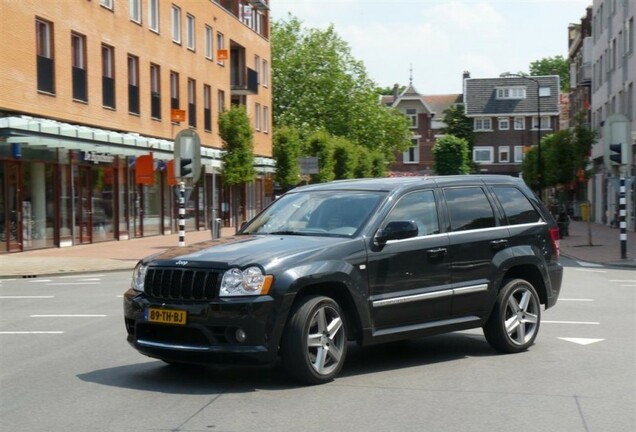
x=499 y=244
x=436 y=253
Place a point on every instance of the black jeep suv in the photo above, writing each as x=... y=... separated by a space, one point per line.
x=369 y=261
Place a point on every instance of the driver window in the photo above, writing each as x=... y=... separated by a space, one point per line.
x=420 y=208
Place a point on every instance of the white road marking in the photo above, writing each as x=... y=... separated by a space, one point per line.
x=30 y=332
x=26 y=297
x=120 y=296
x=588 y=264
x=581 y=341
x=620 y=280
x=68 y=316
x=571 y=322
x=81 y=276
x=73 y=283
x=39 y=280
x=590 y=271
x=578 y=300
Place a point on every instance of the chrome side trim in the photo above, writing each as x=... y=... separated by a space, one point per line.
x=412 y=298
x=429 y=296
x=501 y=227
x=171 y=346
x=470 y=289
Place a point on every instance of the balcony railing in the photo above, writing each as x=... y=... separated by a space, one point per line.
x=245 y=83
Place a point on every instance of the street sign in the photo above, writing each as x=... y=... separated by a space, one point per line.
x=187 y=156
x=308 y=165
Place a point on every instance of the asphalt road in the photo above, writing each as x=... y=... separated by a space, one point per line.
x=65 y=366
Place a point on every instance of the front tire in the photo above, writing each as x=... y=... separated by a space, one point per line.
x=514 y=322
x=314 y=344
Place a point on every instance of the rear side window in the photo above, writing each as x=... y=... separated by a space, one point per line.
x=516 y=206
x=469 y=209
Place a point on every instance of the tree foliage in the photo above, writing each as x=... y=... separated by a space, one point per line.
x=451 y=155
x=238 y=142
x=286 y=149
x=556 y=65
x=458 y=124
x=320 y=86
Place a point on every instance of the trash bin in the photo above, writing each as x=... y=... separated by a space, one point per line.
x=215 y=228
x=584 y=211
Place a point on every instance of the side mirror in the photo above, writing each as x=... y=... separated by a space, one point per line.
x=396 y=230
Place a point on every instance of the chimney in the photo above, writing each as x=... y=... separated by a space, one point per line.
x=396 y=91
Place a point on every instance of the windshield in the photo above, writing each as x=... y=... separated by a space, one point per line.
x=337 y=213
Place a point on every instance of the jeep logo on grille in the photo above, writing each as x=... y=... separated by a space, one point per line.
x=181 y=262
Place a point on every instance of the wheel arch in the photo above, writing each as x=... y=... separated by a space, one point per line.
x=532 y=274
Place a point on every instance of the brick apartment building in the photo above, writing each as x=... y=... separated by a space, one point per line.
x=92 y=94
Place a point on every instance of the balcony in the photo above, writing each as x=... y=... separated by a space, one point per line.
x=259 y=4
x=244 y=82
x=584 y=75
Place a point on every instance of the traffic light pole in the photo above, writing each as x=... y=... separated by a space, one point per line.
x=621 y=215
x=181 y=213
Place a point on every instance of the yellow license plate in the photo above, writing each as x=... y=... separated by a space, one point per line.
x=165 y=316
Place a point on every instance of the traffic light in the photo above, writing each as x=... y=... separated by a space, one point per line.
x=185 y=167
x=617 y=155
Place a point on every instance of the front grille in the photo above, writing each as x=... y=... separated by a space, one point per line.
x=181 y=284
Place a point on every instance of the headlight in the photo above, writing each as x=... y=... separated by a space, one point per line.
x=250 y=281
x=139 y=275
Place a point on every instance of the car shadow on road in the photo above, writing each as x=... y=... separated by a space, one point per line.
x=159 y=377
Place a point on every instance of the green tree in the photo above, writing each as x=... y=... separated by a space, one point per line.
x=378 y=164
x=529 y=167
x=458 y=124
x=364 y=167
x=451 y=155
x=321 y=86
x=345 y=160
x=238 y=142
x=286 y=149
x=556 y=65
x=320 y=144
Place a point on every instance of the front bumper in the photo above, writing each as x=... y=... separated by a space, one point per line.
x=210 y=333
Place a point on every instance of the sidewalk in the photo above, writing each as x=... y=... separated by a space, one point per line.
x=124 y=254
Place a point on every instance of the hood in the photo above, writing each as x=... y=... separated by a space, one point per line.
x=244 y=250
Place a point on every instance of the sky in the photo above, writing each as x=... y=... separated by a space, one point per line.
x=440 y=39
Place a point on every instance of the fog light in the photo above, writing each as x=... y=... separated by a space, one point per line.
x=240 y=335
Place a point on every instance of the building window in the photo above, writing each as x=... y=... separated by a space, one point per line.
x=483 y=154
x=545 y=123
x=629 y=36
x=133 y=84
x=412 y=115
x=504 y=123
x=176 y=24
x=511 y=92
x=207 y=108
x=209 y=47
x=483 y=124
x=221 y=101
x=265 y=80
x=220 y=44
x=265 y=119
x=504 y=154
x=412 y=154
x=257 y=68
x=153 y=15
x=135 y=11
x=44 y=56
x=190 y=38
x=108 y=4
x=80 y=79
x=257 y=117
x=108 y=76
x=518 y=154
x=155 y=91
x=192 y=103
x=520 y=123
x=174 y=90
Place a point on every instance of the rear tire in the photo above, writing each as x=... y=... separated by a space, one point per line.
x=514 y=322
x=314 y=344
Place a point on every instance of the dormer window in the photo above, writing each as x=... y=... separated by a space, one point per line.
x=412 y=115
x=517 y=92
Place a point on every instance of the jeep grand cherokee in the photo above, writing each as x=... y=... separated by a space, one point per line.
x=369 y=261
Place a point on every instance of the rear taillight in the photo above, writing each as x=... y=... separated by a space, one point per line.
x=554 y=236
